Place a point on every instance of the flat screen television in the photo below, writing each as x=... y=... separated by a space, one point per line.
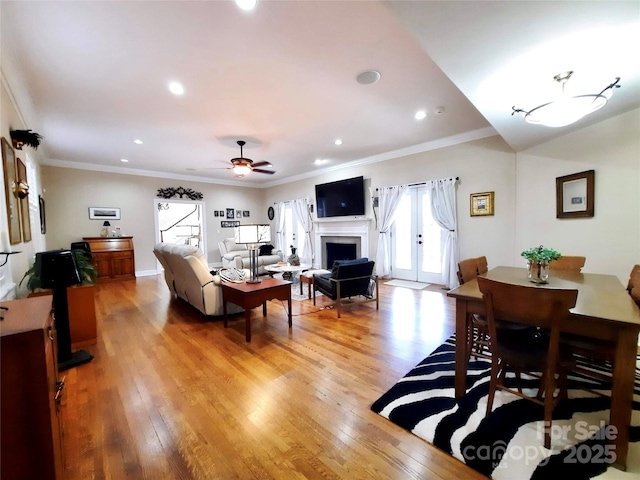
x=340 y=199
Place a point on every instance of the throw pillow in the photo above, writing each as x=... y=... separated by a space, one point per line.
x=231 y=275
x=265 y=249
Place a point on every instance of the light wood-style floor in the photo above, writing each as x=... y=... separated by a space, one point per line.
x=172 y=394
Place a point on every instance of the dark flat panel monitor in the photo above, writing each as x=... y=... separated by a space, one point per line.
x=340 y=199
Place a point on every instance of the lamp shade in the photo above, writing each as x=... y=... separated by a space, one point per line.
x=57 y=268
x=106 y=223
x=252 y=234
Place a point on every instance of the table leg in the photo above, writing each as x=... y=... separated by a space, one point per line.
x=264 y=309
x=224 y=310
x=289 y=302
x=622 y=394
x=247 y=324
x=461 y=348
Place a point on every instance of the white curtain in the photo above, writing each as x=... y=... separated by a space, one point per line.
x=279 y=219
x=388 y=201
x=301 y=212
x=443 y=210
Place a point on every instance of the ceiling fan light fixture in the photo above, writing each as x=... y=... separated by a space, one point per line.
x=567 y=109
x=241 y=170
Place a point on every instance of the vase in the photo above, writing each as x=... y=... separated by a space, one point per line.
x=538 y=271
x=293 y=258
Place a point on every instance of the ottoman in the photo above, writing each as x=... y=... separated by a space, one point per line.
x=307 y=277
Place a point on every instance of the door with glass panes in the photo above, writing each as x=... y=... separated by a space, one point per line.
x=416 y=239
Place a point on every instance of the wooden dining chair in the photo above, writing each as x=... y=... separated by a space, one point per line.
x=542 y=357
x=568 y=263
x=634 y=284
x=483 y=266
x=478 y=328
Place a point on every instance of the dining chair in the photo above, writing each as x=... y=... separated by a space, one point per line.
x=568 y=263
x=478 y=329
x=634 y=284
x=543 y=357
x=483 y=266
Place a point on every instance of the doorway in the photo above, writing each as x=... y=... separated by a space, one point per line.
x=416 y=239
x=180 y=222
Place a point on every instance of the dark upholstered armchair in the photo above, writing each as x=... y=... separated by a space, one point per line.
x=348 y=279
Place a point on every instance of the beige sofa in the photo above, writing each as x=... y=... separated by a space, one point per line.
x=237 y=256
x=187 y=275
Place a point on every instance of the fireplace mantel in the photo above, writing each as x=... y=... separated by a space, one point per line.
x=343 y=227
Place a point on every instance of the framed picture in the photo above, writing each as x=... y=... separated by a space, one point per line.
x=221 y=212
x=104 y=213
x=245 y=213
x=238 y=213
x=25 y=217
x=229 y=224
x=43 y=218
x=482 y=204
x=215 y=213
x=10 y=179
x=230 y=212
x=575 y=195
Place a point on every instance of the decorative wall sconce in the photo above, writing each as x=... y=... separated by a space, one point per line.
x=20 y=138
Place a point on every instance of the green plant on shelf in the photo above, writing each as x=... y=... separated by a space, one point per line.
x=88 y=272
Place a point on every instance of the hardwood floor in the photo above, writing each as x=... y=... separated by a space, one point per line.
x=172 y=394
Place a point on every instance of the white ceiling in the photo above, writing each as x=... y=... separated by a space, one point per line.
x=92 y=76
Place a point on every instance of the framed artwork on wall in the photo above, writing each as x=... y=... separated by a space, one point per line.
x=575 y=195
x=23 y=195
x=229 y=223
x=10 y=180
x=230 y=212
x=482 y=204
x=104 y=213
x=43 y=218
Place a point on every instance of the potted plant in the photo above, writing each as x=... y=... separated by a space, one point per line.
x=538 y=259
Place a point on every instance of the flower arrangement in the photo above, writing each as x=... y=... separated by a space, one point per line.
x=541 y=254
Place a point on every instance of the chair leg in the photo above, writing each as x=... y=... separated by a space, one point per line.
x=549 y=387
x=493 y=384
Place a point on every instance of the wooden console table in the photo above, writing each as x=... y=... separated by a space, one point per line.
x=31 y=434
x=113 y=257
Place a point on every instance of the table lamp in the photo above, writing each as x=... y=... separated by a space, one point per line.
x=57 y=269
x=252 y=236
x=105 y=229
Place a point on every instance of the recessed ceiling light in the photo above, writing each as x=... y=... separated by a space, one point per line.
x=320 y=161
x=138 y=141
x=246 y=4
x=124 y=160
x=190 y=169
x=368 y=77
x=176 y=88
x=420 y=115
x=338 y=142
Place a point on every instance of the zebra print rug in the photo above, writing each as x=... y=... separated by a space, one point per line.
x=508 y=444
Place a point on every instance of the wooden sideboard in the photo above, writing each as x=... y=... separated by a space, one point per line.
x=31 y=434
x=113 y=257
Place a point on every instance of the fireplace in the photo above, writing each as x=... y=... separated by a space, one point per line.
x=352 y=232
x=340 y=251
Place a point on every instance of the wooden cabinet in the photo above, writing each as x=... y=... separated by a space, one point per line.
x=113 y=257
x=31 y=433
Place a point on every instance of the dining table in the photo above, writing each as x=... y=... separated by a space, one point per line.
x=604 y=310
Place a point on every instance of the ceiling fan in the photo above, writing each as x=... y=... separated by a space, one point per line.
x=242 y=166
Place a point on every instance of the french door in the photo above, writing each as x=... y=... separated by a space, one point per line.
x=416 y=240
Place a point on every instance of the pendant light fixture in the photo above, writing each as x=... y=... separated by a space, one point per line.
x=567 y=109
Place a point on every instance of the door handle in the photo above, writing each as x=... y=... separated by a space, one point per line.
x=419 y=242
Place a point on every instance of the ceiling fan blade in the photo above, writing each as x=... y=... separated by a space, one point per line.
x=262 y=164
x=259 y=170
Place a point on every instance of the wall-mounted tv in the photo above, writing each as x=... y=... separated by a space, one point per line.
x=340 y=199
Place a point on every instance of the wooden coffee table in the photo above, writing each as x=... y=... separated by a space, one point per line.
x=250 y=295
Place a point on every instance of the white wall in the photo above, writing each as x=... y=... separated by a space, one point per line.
x=611 y=239
x=482 y=165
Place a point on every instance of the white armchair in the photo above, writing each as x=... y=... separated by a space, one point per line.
x=237 y=256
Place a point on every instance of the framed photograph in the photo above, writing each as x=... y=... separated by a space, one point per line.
x=221 y=212
x=104 y=213
x=229 y=224
x=10 y=181
x=238 y=213
x=575 y=195
x=215 y=213
x=482 y=204
x=245 y=213
x=43 y=218
x=230 y=212
x=25 y=217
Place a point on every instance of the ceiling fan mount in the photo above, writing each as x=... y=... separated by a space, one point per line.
x=242 y=166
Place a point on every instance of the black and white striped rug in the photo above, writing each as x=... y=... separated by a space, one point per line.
x=509 y=443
